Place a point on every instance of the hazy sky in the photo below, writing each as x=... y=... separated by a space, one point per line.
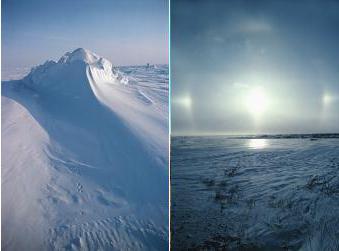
x=125 y=31
x=255 y=66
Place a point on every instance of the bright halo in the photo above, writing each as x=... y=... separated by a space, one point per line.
x=187 y=101
x=256 y=101
x=327 y=99
x=184 y=101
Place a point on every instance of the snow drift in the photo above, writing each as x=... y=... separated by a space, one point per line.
x=85 y=156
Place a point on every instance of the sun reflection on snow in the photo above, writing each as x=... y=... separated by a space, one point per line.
x=257 y=143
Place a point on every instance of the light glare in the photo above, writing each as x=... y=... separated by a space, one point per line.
x=184 y=101
x=256 y=101
x=257 y=143
x=327 y=99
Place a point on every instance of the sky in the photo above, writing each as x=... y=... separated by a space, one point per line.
x=252 y=67
x=127 y=32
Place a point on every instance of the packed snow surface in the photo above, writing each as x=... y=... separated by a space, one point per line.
x=85 y=156
x=255 y=193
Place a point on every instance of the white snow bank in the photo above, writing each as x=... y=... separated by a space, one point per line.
x=87 y=152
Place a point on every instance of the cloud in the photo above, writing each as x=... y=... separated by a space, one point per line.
x=254 y=26
x=218 y=39
x=239 y=85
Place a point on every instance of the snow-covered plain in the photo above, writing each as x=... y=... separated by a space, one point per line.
x=276 y=192
x=85 y=156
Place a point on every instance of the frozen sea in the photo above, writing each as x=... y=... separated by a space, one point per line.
x=255 y=193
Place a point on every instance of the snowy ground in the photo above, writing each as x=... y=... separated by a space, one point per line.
x=85 y=156
x=269 y=193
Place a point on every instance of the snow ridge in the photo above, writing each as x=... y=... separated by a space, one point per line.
x=75 y=62
x=95 y=146
x=80 y=54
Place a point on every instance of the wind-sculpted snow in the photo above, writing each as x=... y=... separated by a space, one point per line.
x=85 y=163
x=255 y=194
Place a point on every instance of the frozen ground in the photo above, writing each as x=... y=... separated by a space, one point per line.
x=247 y=193
x=85 y=156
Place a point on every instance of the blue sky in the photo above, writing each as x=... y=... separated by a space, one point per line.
x=126 y=32
x=254 y=66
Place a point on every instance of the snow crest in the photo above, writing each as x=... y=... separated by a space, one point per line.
x=72 y=63
x=83 y=55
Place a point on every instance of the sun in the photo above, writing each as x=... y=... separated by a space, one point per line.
x=184 y=101
x=256 y=101
x=327 y=99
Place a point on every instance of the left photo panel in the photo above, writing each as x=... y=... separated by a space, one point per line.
x=84 y=125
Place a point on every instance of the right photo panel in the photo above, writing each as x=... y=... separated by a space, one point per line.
x=254 y=125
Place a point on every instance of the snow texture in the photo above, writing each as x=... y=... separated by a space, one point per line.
x=255 y=193
x=85 y=156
